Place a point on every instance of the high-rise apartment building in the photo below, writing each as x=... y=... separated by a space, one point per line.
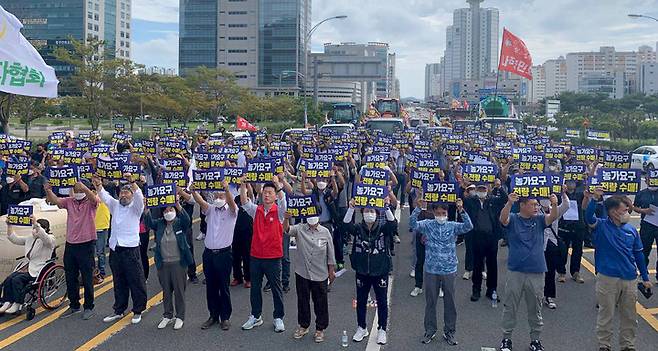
x=432 y=80
x=607 y=61
x=537 y=89
x=263 y=42
x=48 y=24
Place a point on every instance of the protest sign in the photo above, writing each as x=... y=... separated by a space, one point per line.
x=619 y=181
x=531 y=162
x=17 y=168
x=418 y=178
x=479 y=173
x=652 y=176
x=259 y=171
x=19 y=215
x=369 y=196
x=374 y=176
x=109 y=169
x=575 y=172
x=440 y=192
x=175 y=177
x=233 y=175
x=302 y=206
x=162 y=195
x=532 y=185
x=62 y=177
x=208 y=180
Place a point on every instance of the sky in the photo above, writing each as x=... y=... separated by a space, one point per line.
x=415 y=29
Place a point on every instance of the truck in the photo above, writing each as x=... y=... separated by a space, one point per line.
x=344 y=113
x=387 y=107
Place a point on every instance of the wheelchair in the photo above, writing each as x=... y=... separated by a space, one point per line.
x=48 y=289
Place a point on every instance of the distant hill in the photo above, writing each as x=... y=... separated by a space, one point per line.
x=408 y=99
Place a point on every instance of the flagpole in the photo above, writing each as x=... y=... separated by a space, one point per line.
x=500 y=56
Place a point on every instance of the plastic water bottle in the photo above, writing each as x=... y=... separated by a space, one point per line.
x=343 y=339
x=494 y=299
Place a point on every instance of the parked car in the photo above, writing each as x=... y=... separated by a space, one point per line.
x=645 y=157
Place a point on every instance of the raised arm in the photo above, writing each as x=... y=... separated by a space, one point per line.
x=47 y=239
x=590 y=212
x=504 y=214
x=88 y=193
x=245 y=201
x=466 y=225
x=107 y=199
x=13 y=238
x=51 y=197
x=554 y=215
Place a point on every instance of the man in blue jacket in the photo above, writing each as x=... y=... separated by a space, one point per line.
x=618 y=256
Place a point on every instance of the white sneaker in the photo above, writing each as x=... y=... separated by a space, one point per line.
x=137 y=317
x=360 y=334
x=13 y=308
x=252 y=322
x=113 y=317
x=416 y=291
x=440 y=292
x=412 y=273
x=278 y=325
x=201 y=236
x=484 y=275
x=5 y=306
x=396 y=238
x=381 y=337
x=467 y=275
x=178 y=323
x=164 y=322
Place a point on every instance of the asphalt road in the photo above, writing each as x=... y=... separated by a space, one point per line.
x=570 y=327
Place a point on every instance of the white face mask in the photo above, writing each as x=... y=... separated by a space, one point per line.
x=219 y=202
x=322 y=185
x=441 y=219
x=9 y=180
x=369 y=217
x=481 y=194
x=653 y=188
x=313 y=220
x=79 y=196
x=169 y=216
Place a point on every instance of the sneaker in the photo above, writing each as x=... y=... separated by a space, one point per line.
x=412 y=273
x=178 y=323
x=201 y=236
x=360 y=334
x=252 y=322
x=506 y=345
x=247 y=285
x=561 y=278
x=381 y=337
x=440 y=292
x=467 y=275
x=318 y=337
x=503 y=244
x=475 y=296
x=15 y=307
x=416 y=291
x=286 y=289
x=278 y=325
x=484 y=275
x=68 y=313
x=427 y=338
x=267 y=288
x=235 y=282
x=299 y=333
x=164 y=322
x=137 y=317
x=5 y=306
x=340 y=266
x=548 y=301
x=396 y=238
x=87 y=314
x=113 y=317
x=577 y=278
x=536 y=345
x=450 y=339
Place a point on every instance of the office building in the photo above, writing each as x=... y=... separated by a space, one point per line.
x=648 y=78
x=603 y=63
x=262 y=42
x=555 y=72
x=48 y=24
x=161 y=71
x=537 y=89
x=614 y=84
x=432 y=81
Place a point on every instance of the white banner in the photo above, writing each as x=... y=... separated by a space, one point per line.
x=22 y=69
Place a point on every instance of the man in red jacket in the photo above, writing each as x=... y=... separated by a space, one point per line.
x=266 y=250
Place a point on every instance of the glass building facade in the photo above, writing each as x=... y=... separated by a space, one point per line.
x=281 y=44
x=48 y=24
x=110 y=32
x=198 y=34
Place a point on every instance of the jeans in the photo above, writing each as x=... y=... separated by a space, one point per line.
x=217 y=269
x=270 y=268
x=79 y=260
x=128 y=279
x=306 y=290
x=400 y=186
x=101 y=243
x=380 y=285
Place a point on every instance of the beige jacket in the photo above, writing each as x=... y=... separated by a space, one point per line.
x=44 y=245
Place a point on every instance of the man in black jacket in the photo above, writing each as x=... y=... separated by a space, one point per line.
x=484 y=208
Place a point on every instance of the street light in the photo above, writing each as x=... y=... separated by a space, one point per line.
x=307 y=40
x=634 y=15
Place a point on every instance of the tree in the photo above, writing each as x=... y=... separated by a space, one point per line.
x=28 y=109
x=220 y=88
x=127 y=91
x=93 y=78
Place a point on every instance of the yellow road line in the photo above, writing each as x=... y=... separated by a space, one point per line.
x=52 y=317
x=641 y=310
x=122 y=323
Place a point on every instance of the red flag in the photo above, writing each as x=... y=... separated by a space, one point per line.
x=514 y=56
x=243 y=124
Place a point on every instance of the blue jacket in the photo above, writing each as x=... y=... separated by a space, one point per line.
x=180 y=224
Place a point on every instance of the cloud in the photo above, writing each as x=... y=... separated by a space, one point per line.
x=161 y=52
x=415 y=29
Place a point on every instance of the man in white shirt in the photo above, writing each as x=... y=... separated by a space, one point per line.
x=124 y=248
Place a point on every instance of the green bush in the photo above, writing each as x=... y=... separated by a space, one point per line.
x=57 y=122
